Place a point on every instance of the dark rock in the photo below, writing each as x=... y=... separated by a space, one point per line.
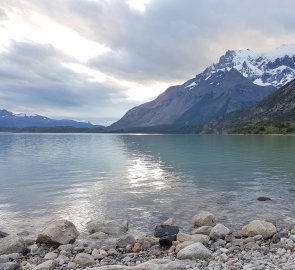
x=166 y=230
x=166 y=241
x=263 y=199
x=3 y=234
x=276 y=238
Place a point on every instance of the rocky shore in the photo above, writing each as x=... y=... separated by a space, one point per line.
x=110 y=244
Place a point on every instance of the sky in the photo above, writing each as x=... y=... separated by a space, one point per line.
x=93 y=60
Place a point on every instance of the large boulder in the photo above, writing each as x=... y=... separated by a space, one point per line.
x=59 y=232
x=259 y=227
x=111 y=227
x=12 y=244
x=84 y=260
x=204 y=218
x=219 y=231
x=195 y=251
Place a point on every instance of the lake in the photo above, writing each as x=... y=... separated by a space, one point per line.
x=144 y=178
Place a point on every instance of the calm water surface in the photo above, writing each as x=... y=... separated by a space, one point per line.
x=144 y=178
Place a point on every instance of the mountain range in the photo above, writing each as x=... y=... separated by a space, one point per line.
x=239 y=80
x=11 y=120
x=275 y=111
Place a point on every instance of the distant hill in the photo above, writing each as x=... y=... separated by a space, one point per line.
x=11 y=120
x=239 y=80
x=274 y=114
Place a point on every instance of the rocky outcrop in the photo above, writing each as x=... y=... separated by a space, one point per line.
x=58 y=232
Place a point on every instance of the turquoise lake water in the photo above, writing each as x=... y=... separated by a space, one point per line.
x=144 y=178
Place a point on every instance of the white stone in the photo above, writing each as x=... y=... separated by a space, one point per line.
x=219 y=231
x=194 y=251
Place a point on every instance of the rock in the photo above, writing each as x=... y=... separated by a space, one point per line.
x=181 y=237
x=251 y=246
x=10 y=266
x=136 y=248
x=219 y=231
x=112 y=252
x=204 y=218
x=125 y=240
x=263 y=198
x=203 y=230
x=194 y=252
x=50 y=256
x=3 y=234
x=4 y=259
x=256 y=227
x=71 y=265
x=84 y=260
x=170 y=222
x=48 y=265
x=110 y=227
x=99 y=236
x=12 y=244
x=166 y=241
x=182 y=245
x=164 y=230
x=59 y=232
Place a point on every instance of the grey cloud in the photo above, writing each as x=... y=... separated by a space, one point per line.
x=3 y=15
x=172 y=40
x=32 y=75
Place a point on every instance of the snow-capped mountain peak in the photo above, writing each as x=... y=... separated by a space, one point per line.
x=274 y=68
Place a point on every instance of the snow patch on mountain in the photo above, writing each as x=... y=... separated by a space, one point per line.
x=274 y=68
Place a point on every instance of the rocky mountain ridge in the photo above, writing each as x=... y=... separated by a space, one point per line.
x=239 y=80
x=9 y=119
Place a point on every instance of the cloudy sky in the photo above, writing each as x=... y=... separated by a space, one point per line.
x=95 y=59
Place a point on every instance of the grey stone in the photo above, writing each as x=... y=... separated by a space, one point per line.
x=181 y=237
x=84 y=259
x=47 y=265
x=110 y=227
x=59 y=232
x=194 y=251
x=10 y=266
x=219 y=231
x=202 y=230
x=125 y=240
x=170 y=222
x=50 y=256
x=12 y=244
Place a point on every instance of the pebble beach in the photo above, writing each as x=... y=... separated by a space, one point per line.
x=111 y=244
